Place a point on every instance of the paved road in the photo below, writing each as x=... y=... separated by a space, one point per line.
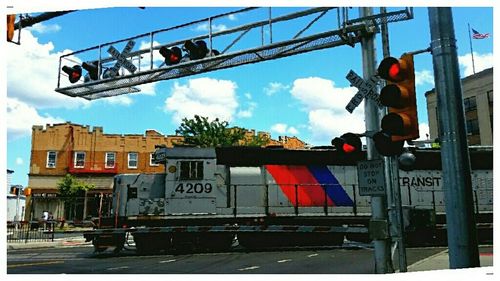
x=307 y=261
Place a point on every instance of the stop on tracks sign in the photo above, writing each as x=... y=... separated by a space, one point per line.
x=371 y=178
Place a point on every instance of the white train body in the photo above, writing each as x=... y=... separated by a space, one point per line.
x=197 y=184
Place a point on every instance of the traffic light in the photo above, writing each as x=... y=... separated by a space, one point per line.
x=74 y=73
x=401 y=123
x=10 y=27
x=386 y=146
x=348 y=144
x=92 y=69
x=15 y=190
x=172 y=55
x=196 y=50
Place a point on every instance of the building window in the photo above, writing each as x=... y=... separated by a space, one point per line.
x=51 y=159
x=151 y=163
x=132 y=160
x=470 y=104
x=191 y=170
x=79 y=159
x=490 y=96
x=110 y=159
x=472 y=126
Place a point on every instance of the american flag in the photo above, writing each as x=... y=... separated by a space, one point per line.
x=477 y=35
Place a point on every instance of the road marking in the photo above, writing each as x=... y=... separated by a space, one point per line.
x=249 y=268
x=312 y=255
x=34 y=264
x=116 y=268
x=281 y=261
x=167 y=261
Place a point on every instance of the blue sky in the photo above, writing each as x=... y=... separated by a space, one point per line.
x=301 y=96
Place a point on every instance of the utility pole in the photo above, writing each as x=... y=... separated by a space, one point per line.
x=381 y=243
x=457 y=183
x=392 y=176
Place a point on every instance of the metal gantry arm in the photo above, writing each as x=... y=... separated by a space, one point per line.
x=347 y=32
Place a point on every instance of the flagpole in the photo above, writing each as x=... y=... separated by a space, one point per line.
x=471 y=52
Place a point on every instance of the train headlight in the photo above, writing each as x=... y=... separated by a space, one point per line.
x=172 y=169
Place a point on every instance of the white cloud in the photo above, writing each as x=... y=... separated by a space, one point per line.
x=45 y=28
x=21 y=117
x=247 y=113
x=32 y=74
x=19 y=161
x=325 y=103
x=215 y=27
x=284 y=129
x=481 y=62
x=207 y=97
x=424 y=77
x=232 y=17
x=274 y=87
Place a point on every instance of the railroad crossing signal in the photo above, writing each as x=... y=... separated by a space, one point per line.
x=172 y=55
x=349 y=145
x=92 y=69
x=74 y=73
x=121 y=60
x=196 y=50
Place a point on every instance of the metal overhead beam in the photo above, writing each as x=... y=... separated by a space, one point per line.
x=347 y=33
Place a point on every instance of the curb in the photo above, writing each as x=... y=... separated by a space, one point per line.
x=54 y=244
x=443 y=252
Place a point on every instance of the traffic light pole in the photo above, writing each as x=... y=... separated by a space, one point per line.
x=392 y=177
x=381 y=243
x=457 y=183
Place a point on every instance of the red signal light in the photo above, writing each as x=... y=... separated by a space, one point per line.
x=172 y=56
x=347 y=148
x=348 y=144
x=394 y=71
x=74 y=73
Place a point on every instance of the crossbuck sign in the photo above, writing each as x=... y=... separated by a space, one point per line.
x=121 y=59
x=366 y=89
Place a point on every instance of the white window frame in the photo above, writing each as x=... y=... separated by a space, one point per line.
x=106 y=160
x=75 y=158
x=151 y=161
x=136 y=160
x=55 y=159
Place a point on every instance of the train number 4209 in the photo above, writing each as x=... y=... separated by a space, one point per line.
x=194 y=188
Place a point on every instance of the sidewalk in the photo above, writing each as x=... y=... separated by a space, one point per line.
x=441 y=261
x=58 y=242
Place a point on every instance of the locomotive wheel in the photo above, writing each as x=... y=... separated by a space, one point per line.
x=184 y=242
x=215 y=241
x=271 y=240
x=152 y=243
x=102 y=243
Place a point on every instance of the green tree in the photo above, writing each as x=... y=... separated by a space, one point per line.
x=71 y=191
x=203 y=133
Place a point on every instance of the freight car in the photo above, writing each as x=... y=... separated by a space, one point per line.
x=269 y=197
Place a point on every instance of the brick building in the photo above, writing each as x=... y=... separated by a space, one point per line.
x=95 y=158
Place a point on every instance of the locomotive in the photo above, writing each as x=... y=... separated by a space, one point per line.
x=209 y=197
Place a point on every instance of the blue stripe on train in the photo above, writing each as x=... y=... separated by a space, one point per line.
x=332 y=186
